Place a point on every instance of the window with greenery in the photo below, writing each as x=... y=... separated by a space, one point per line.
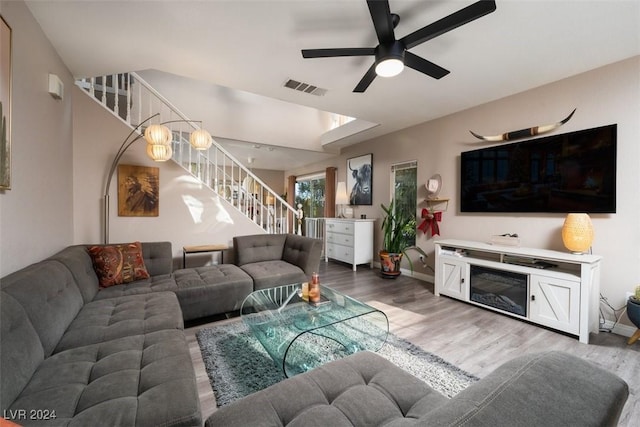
x=310 y=194
x=404 y=178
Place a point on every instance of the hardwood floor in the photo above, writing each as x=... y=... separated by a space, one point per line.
x=475 y=339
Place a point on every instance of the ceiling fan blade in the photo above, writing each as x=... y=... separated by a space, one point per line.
x=424 y=66
x=382 y=22
x=455 y=20
x=327 y=53
x=366 y=80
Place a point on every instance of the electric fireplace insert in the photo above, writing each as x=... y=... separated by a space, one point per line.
x=504 y=290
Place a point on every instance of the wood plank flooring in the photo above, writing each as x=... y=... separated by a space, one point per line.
x=475 y=339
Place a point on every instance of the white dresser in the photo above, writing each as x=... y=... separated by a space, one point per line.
x=349 y=240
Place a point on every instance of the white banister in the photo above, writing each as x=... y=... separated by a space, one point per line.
x=216 y=168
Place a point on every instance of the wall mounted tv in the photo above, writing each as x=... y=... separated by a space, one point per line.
x=572 y=172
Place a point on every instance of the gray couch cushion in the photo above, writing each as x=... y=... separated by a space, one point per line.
x=48 y=293
x=257 y=248
x=303 y=252
x=363 y=389
x=108 y=319
x=78 y=261
x=162 y=283
x=142 y=380
x=267 y=274
x=20 y=353
x=212 y=289
x=543 y=389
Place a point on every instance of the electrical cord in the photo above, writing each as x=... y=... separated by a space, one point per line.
x=602 y=321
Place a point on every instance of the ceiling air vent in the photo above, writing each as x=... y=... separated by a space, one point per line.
x=305 y=87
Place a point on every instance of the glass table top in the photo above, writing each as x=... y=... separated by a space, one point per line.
x=299 y=335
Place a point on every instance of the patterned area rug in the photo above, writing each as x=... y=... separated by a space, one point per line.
x=238 y=365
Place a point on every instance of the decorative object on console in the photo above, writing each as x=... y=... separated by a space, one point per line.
x=505 y=239
x=159 y=139
x=523 y=133
x=577 y=233
x=359 y=179
x=342 y=199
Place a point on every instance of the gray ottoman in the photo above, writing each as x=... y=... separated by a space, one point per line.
x=210 y=290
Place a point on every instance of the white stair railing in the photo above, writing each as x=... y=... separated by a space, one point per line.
x=133 y=100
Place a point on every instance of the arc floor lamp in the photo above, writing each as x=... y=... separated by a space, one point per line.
x=158 y=137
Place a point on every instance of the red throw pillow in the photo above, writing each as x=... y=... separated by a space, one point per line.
x=117 y=264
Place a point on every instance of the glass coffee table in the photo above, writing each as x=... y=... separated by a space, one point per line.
x=300 y=336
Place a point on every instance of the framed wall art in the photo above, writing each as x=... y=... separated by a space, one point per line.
x=359 y=179
x=138 y=190
x=5 y=105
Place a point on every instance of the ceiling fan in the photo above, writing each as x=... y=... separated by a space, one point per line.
x=391 y=55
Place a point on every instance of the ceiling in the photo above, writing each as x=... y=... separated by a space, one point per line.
x=251 y=47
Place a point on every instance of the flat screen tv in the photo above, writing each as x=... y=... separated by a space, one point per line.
x=571 y=172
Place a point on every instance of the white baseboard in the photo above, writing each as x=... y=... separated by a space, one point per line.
x=407 y=272
x=619 y=329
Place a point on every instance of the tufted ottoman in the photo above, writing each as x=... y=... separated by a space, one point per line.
x=213 y=289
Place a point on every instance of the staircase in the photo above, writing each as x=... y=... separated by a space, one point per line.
x=133 y=100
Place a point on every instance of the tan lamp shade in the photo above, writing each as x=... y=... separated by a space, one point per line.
x=158 y=135
x=201 y=139
x=341 y=194
x=159 y=152
x=577 y=232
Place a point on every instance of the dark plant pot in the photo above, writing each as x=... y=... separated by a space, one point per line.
x=633 y=312
x=390 y=264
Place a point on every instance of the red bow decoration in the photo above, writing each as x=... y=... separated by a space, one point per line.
x=430 y=222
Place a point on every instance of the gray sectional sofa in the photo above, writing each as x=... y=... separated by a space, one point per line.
x=364 y=389
x=75 y=354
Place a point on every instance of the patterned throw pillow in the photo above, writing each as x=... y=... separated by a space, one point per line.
x=117 y=264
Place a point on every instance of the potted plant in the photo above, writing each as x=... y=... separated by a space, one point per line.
x=398 y=228
x=633 y=312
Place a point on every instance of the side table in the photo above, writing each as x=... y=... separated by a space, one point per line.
x=202 y=249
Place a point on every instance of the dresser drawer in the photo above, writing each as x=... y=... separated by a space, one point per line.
x=340 y=227
x=341 y=239
x=339 y=252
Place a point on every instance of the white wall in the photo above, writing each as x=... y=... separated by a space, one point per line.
x=190 y=214
x=603 y=96
x=36 y=215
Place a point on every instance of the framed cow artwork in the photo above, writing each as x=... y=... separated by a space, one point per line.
x=359 y=179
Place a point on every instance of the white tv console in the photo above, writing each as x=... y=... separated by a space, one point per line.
x=563 y=289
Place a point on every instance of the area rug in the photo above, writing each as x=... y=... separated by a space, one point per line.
x=238 y=365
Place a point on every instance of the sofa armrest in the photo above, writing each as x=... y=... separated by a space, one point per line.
x=551 y=388
x=303 y=252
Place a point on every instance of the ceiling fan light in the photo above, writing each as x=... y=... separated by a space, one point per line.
x=389 y=67
x=201 y=139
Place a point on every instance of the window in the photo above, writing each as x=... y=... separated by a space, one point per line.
x=404 y=177
x=310 y=194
